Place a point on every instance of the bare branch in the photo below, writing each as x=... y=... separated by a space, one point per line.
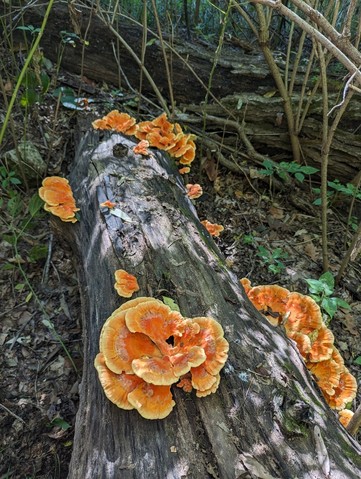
x=343 y=50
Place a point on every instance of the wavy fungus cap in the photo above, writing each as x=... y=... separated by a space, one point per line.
x=345 y=416
x=344 y=393
x=327 y=373
x=145 y=347
x=213 y=228
x=152 y=402
x=304 y=314
x=126 y=284
x=271 y=301
x=116 y=386
x=120 y=347
x=120 y=122
x=58 y=197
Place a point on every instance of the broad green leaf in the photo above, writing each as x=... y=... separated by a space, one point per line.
x=35 y=204
x=309 y=170
x=314 y=285
x=328 y=281
x=64 y=91
x=58 y=421
x=342 y=304
x=20 y=286
x=357 y=360
x=330 y=306
x=300 y=177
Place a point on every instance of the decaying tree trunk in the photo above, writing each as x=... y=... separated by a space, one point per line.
x=241 y=81
x=267 y=419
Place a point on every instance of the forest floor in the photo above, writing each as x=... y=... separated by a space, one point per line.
x=266 y=239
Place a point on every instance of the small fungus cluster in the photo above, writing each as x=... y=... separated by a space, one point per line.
x=125 y=283
x=58 y=197
x=213 y=228
x=158 y=133
x=194 y=191
x=302 y=319
x=145 y=347
x=116 y=121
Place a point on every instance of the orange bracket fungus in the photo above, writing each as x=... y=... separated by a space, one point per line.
x=58 y=197
x=212 y=228
x=126 y=284
x=194 y=191
x=116 y=121
x=142 y=148
x=108 y=204
x=158 y=133
x=145 y=347
x=302 y=319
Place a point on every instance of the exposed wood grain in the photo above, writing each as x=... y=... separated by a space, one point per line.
x=260 y=423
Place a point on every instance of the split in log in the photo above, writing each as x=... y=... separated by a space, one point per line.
x=266 y=420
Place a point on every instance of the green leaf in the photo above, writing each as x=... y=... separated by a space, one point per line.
x=29 y=296
x=309 y=170
x=64 y=91
x=8 y=267
x=330 y=306
x=35 y=204
x=20 y=286
x=314 y=286
x=29 y=97
x=170 y=303
x=239 y=104
x=11 y=239
x=58 y=421
x=342 y=304
x=15 y=181
x=45 y=81
x=15 y=205
x=151 y=42
x=300 y=177
x=37 y=252
x=328 y=281
x=357 y=360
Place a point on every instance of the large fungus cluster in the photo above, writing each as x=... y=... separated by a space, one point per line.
x=145 y=347
x=58 y=197
x=302 y=319
x=158 y=133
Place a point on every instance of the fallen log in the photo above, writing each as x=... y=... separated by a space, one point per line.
x=266 y=420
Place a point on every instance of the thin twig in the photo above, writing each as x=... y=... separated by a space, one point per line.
x=12 y=413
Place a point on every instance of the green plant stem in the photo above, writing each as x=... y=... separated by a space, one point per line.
x=24 y=69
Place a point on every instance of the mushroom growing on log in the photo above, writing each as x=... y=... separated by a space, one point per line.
x=267 y=417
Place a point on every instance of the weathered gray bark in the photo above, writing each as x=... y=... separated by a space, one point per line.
x=239 y=78
x=261 y=421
